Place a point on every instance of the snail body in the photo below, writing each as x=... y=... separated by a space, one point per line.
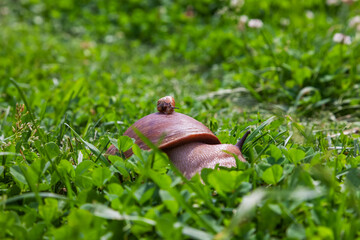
x=201 y=155
x=189 y=144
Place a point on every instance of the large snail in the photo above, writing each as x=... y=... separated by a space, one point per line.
x=190 y=145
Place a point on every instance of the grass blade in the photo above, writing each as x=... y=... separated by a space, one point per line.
x=254 y=133
x=33 y=195
x=105 y=212
x=92 y=148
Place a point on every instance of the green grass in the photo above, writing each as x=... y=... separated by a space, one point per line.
x=74 y=75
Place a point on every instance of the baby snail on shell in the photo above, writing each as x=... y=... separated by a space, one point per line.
x=189 y=144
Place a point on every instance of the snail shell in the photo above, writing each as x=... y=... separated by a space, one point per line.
x=190 y=145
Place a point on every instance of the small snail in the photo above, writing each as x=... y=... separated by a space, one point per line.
x=189 y=144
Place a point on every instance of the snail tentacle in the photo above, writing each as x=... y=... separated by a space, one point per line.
x=241 y=142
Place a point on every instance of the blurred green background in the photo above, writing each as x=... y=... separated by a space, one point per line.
x=113 y=59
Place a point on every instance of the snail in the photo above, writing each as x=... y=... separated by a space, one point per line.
x=189 y=144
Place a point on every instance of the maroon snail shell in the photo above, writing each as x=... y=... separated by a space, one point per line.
x=189 y=144
x=171 y=129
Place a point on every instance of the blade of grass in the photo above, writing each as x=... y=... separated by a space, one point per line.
x=92 y=127
x=92 y=148
x=268 y=145
x=194 y=233
x=65 y=108
x=7 y=111
x=33 y=195
x=105 y=212
x=22 y=95
x=254 y=133
x=102 y=151
x=9 y=153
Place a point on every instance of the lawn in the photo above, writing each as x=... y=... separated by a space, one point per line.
x=74 y=75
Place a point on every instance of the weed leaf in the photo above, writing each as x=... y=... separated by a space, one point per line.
x=273 y=174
